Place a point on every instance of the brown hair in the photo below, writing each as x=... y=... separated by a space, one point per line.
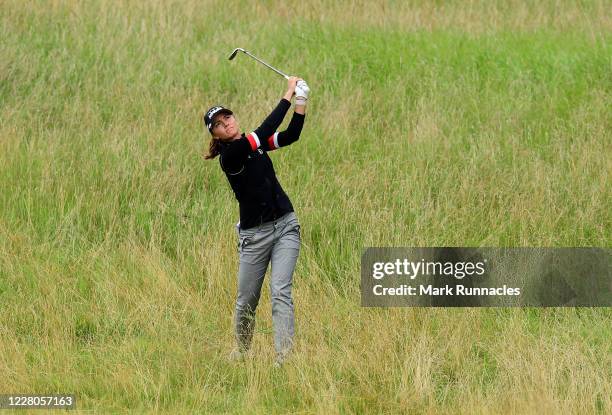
x=214 y=148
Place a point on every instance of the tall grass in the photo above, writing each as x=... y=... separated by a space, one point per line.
x=430 y=124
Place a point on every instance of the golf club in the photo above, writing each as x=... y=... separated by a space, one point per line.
x=233 y=55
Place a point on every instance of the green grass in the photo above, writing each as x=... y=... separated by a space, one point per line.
x=430 y=124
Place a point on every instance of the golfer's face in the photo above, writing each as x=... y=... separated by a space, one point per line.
x=225 y=126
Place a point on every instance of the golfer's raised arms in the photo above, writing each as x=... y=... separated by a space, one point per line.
x=265 y=137
x=236 y=152
x=268 y=127
x=288 y=136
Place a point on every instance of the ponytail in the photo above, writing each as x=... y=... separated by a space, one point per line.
x=214 y=148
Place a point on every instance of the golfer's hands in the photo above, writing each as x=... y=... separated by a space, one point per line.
x=301 y=92
x=298 y=87
x=291 y=85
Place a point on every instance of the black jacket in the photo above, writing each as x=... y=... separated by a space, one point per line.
x=250 y=172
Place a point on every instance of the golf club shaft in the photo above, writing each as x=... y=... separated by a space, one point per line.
x=263 y=63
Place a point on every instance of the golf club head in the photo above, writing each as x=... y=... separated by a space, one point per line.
x=233 y=54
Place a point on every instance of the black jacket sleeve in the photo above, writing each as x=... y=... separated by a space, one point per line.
x=273 y=121
x=235 y=153
x=288 y=136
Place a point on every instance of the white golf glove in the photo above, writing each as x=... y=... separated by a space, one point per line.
x=301 y=92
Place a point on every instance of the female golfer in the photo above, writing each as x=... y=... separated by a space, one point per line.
x=268 y=230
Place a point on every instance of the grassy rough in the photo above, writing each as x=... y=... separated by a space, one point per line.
x=431 y=123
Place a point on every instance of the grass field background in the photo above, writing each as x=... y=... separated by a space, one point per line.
x=470 y=123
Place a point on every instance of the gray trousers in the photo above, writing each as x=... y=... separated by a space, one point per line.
x=276 y=242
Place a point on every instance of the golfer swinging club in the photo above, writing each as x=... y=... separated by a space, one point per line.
x=268 y=230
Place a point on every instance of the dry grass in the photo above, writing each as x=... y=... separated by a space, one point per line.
x=430 y=124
